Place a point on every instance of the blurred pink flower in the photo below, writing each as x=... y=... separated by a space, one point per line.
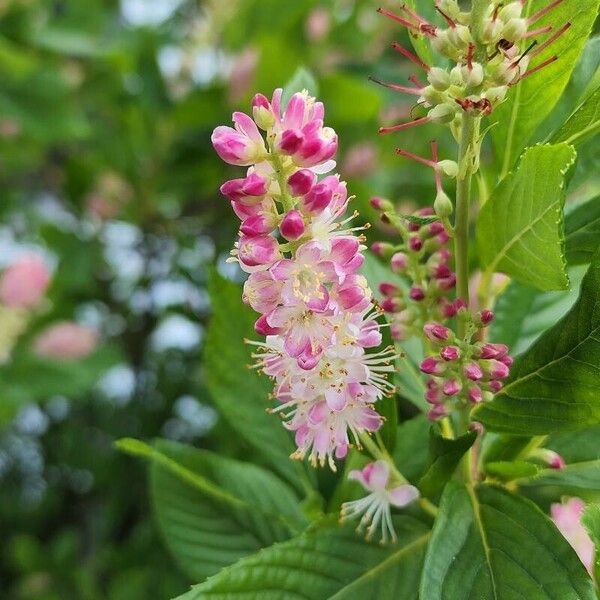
x=242 y=74
x=23 y=283
x=567 y=517
x=360 y=161
x=318 y=24
x=66 y=340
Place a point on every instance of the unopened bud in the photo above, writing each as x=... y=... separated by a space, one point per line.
x=472 y=76
x=399 y=262
x=510 y=11
x=442 y=113
x=448 y=167
x=439 y=79
x=514 y=29
x=382 y=249
x=292 y=227
x=381 y=204
x=460 y=36
x=442 y=205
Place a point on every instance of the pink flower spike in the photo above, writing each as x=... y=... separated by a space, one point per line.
x=538 y=15
x=412 y=57
x=398 y=88
x=292 y=227
x=431 y=366
x=550 y=40
x=23 y=283
x=450 y=353
x=473 y=371
x=401 y=126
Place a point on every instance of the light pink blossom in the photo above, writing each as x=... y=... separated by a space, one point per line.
x=66 y=340
x=23 y=283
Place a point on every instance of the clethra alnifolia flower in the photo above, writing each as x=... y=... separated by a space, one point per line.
x=375 y=508
x=316 y=310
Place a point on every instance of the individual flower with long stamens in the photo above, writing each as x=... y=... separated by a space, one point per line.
x=302 y=256
x=374 y=509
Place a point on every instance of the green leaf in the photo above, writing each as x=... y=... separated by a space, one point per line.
x=444 y=456
x=488 y=543
x=578 y=476
x=582 y=232
x=349 y=100
x=409 y=379
x=420 y=42
x=590 y=519
x=510 y=470
x=327 y=561
x=417 y=220
x=554 y=385
x=411 y=453
x=523 y=313
x=212 y=510
x=240 y=394
x=582 y=125
x=301 y=80
x=519 y=230
x=576 y=446
x=532 y=99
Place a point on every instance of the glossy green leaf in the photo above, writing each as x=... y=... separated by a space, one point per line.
x=420 y=42
x=519 y=229
x=409 y=380
x=554 y=385
x=338 y=89
x=578 y=476
x=576 y=446
x=488 y=543
x=411 y=454
x=212 y=510
x=444 y=456
x=523 y=313
x=582 y=125
x=328 y=561
x=582 y=232
x=511 y=470
x=240 y=394
x=532 y=99
x=590 y=519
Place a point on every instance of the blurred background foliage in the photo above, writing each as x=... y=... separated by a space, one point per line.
x=106 y=167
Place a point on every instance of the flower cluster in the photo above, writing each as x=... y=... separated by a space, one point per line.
x=383 y=493
x=463 y=370
x=421 y=258
x=487 y=61
x=316 y=310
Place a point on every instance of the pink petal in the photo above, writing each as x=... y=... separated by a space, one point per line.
x=403 y=495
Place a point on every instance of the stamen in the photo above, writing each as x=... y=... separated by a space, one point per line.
x=551 y=39
x=539 y=31
x=412 y=57
x=538 y=15
x=470 y=52
x=515 y=64
x=538 y=67
x=436 y=171
x=394 y=17
x=415 y=80
x=451 y=22
x=401 y=126
x=398 y=88
x=415 y=157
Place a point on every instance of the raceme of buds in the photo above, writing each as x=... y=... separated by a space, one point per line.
x=486 y=60
x=464 y=371
x=316 y=310
x=422 y=259
x=375 y=508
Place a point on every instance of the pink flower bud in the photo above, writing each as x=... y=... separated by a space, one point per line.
x=250 y=189
x=292 y=227
x=473 y=371
x=475 y=395
x=262 y=327
x=556 y=461
x=441 y=272
x=436 y=228
x=435 y=331
x=433 y=395
x=258 y=225
x=431 y=366
x=381 y=204
x=391 y=305
x=507 y=360
x=301 y=182
x=486 y=317
x=318 y=198
x=398 y=331
x=493 y=351
x=399 y=262
x=381 y=249
x=258 y=250
x=450 y=353
x=66 y=340
x=451 y=387
x=240 y=146
x=447 y=283
x=498 y=370
x=388 y=289
x=443 y=237
x=495 y=386
x=23 y=283
x=416 y=294
x=415 y=243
